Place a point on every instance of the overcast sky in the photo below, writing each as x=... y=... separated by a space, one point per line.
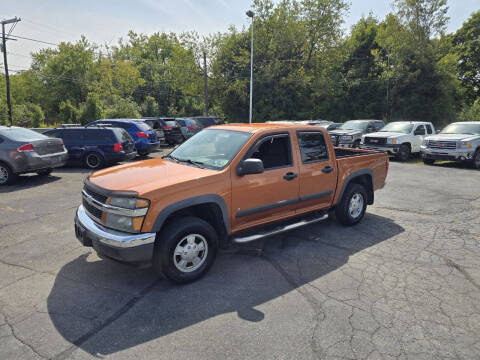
x=105 y=21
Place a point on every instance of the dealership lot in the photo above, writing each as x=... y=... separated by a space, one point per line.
x=403 y=284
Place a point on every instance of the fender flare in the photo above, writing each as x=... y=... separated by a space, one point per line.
x=354 y=175
x=197 y=200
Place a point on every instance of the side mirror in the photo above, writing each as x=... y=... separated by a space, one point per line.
x=250 y=166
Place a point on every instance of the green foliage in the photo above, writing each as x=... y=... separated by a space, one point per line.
x=28 y=115
x=68 y=113
x=150 y=107
x=92 y=110
x=472 y=113
x=118 y=107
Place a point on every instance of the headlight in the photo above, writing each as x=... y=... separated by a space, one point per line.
x=346 y=138
x=425 y=143
x=391 y=141
x=464 y=145
x=126 y=213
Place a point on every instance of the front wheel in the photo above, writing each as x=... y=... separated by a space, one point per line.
x=404 y=153
x=352 y=206
x=93 y=161
x=143 y=152
x=428 y=161
x=476 y=159
x=185 y=250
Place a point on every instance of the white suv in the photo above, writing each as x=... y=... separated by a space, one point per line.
x=399 y=138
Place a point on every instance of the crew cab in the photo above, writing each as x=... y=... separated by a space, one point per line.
x=459 y=141
x=349 y=134
x=227 y=184
x=399 y=138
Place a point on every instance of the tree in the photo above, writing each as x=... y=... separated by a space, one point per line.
x=150 y=107
x=91 y=110
x=28 y=115
x=472 y=113
x=119 y=107
x=466 y=44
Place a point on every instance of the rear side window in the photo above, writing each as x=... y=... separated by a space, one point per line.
x=143 y=126
x=429 y=129
x=274 y=151
x=312 y=147
x=70 y=136
x=172 y=123
x=154 y=124
x=121 y=135
x=98 y=135
x=181 y=122
x=420 y=130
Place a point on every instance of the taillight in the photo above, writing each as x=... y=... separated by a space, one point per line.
x=167 y=128
x=142 y=134
x=27 y=147
x=191 y=128
x=117 y=147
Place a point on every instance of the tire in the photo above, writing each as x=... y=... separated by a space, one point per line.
x=45 y=172
x=143 y=152
x=346 y=211
x=356 y=144
x=178 y=235
x=404 y=153
x=7 y=176
x=476 y=160
x=93 y=161
x=428 y=161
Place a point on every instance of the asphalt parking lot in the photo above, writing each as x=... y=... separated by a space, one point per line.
x=403 y=284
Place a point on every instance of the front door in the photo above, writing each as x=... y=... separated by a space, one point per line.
x=272 y=195
x=318 y=173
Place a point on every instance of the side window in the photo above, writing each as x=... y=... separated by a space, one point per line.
x=429 y=129
x=181 y=122
x=379 y=125
x=69 y=136
x=274 y=151
x=312 y=147
x=52 y=133
x=420 y=130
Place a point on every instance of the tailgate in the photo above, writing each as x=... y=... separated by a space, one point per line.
x=48 y=146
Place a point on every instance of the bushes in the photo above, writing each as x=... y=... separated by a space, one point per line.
x=28 y=115
x=472 y=113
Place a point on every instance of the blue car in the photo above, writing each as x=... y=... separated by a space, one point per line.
x=95 y=147
x=145 y=138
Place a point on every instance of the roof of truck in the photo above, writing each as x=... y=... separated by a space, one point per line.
x=256 y=127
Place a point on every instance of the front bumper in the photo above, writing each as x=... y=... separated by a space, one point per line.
x=133 y=248
x=452 y=155
x=30 y=161
x=388 y=148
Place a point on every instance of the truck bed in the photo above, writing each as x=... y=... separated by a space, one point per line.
x=341 y=153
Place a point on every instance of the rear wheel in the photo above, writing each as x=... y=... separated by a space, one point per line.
x=45 y=172
x=476 y=159
x=93 y=161
x=352 y=206
x=404 y=153
x=185 y=250
x=143 y=152
x=428 y=161
x=6 y=175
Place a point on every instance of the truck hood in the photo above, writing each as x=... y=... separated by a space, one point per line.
x=385 y=134
x=346 y=132
x=145 y=176
x=453 y=137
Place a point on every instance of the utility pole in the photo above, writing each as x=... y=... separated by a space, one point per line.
x=205 y=80
x=7 y=79
x=251 y=14
x=388 y=86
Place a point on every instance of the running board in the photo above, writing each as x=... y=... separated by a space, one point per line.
x=279 y=230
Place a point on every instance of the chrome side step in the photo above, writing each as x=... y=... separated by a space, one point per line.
x=279 y=230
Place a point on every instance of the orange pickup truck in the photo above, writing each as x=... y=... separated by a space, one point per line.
x=228 y=183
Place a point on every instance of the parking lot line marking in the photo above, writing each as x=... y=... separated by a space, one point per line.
x=8 y=208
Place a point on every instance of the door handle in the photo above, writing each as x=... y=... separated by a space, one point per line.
x=290 y=176
x=327 y=169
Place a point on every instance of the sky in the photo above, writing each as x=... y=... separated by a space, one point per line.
x=105 y=21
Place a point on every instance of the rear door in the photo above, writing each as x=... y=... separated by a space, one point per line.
x=317 y=172
x=272 y=195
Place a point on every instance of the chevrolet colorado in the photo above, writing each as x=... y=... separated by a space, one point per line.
x=228 y=183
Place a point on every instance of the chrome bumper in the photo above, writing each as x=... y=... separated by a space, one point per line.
x=88 y=230
x=448 y=154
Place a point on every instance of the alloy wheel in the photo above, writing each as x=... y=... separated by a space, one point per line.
x=3 y=174
x=190 y=253
x=355 y=207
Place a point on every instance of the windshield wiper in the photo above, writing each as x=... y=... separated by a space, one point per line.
x=190 y=161
x=171 y=157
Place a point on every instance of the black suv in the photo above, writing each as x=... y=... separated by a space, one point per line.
x=207 y=121
x=172 y=131
x=95 y=146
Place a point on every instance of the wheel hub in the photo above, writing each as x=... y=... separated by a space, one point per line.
x=190 y=253
x=356 y=205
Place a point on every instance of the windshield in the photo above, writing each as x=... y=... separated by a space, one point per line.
x=211 y=148
x=20 y=134
x=405 y=128
x=458 y=128
x=354 y=125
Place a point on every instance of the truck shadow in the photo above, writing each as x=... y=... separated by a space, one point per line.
x=104 y=307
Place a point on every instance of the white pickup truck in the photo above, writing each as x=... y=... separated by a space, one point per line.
x=399 y=138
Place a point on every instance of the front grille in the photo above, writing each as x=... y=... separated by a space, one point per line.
x=92 y=210
x=444 y=145
x=99 y=197
x=375 y=141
